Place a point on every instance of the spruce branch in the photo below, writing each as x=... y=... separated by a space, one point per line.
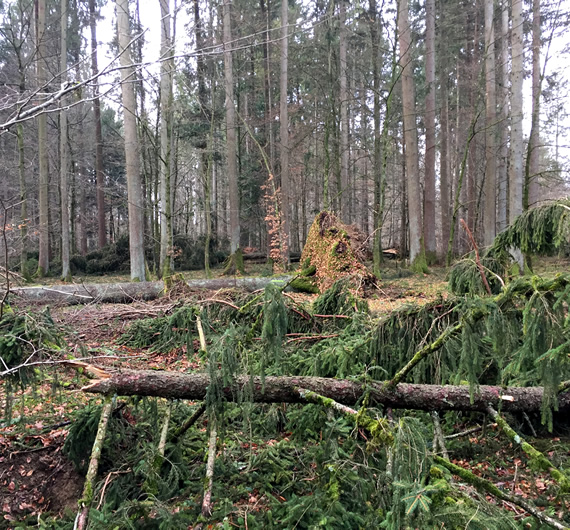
x=485 y=486
x=536 y=457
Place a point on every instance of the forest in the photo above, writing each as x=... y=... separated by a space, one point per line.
x=304 y=266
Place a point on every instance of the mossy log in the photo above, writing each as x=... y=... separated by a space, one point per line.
x=127 y=292
x=174 y=385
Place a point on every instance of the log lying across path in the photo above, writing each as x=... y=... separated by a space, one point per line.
x=126 y=292
x=174 y=385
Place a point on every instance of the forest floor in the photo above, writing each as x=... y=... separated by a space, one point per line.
x=36 y=477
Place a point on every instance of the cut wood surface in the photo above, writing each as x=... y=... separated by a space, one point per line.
x=174 y=385
x=127 y=291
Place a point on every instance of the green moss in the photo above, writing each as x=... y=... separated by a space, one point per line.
x=304 y=285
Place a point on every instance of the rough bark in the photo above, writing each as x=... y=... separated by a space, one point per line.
x=41 y=73
x=531 y=195
x=517 y=77
x=126 y=292
x=502 y=199
x=417 y=257
x=134 y=184
x=165 y=133
x=63 y=152
x=284 y=136
x=345 y=213
x=490 y=187
x=231 y=132
x=99 y=175
x=174 y=385
x=429 y=181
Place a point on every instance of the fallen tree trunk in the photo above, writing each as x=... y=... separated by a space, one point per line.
x=127 y=292
x=174 y=385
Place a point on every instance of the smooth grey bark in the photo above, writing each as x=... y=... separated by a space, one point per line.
x=126 y=292
x=41 y=76
x=490 y=186
x=63 y=151
x=284 y=136
x=99 y=175
x=516 y=151
x=134 y=183
x=166 y=69
x=231 y=131
x=429 y=180
x=410 y=137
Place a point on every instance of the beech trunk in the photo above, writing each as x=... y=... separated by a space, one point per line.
x=126 y=292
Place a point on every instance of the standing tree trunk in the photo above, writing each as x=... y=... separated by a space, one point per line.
x=490 y=188
x=165 y=133
x=344 y=199
x=531 y=193
x=445 y=191
x=134 y=184
x=502 y=199
x=417 y=253
x=41 y=73
x=378 y=198
x=284 y=137
x=516 y=154
x=99 y=175
x=236 y=260
x=64 y=154
x=429 y=182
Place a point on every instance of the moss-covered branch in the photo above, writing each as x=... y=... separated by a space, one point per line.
x=87 y=498
x=537 y=458
x=485 y=486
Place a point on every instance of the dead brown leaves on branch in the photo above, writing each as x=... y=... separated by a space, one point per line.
x=337 y=251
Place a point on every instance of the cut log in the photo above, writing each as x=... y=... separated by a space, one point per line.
x=174 y=385
x=127 y=292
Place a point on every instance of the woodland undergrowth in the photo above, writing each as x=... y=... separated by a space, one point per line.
x=308 y=466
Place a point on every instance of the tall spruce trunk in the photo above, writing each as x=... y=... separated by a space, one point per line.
x=166 y=68
x=134 y=183
x=517 y=77
x=532 y=173
x=429 y=180
x=284 y=137
x=99 y=174
x=502 y=171
x=490 y=187
x=64 y=152
x=345 y=202
x=417 y=254
x=41 y=76
x=231 y=139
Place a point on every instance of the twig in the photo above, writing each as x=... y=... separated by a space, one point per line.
x=107 y=481
x=467 y=432
x=331 y=316
x=191 y=421
x=224 y=302
x=313 y=337
x=477 y=259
